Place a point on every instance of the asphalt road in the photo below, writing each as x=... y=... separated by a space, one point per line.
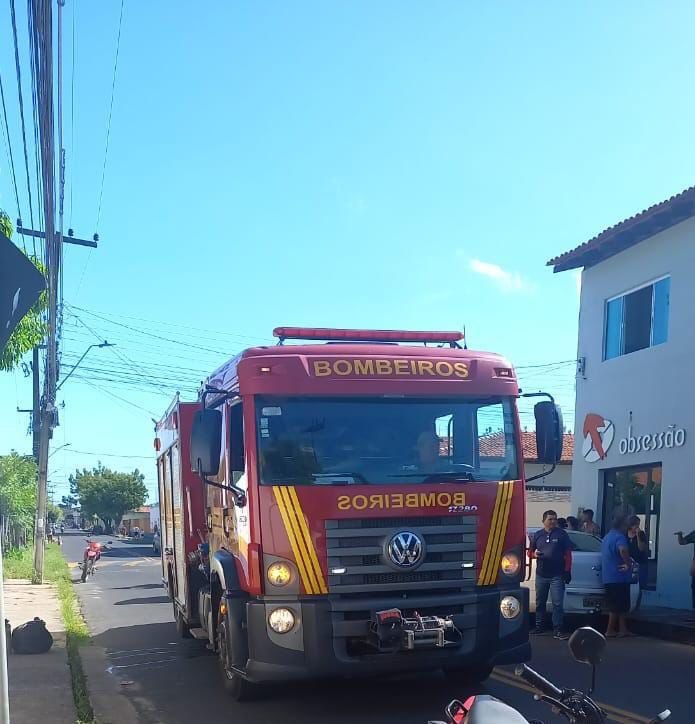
x=174 y=681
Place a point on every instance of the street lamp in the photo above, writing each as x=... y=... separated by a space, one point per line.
x=91 y=346
x=67 y=444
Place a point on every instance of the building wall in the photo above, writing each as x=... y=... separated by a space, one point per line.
x=650 y=384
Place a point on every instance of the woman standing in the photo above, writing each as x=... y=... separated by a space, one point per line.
x=639 y=551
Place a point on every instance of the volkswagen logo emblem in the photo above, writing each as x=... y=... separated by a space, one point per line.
x=405 y=549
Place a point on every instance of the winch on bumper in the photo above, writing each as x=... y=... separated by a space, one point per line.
x=341 y=637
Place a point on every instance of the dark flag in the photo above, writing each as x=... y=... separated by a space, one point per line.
x=21 y=284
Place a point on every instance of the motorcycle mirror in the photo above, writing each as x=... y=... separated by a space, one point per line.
x=587 y=645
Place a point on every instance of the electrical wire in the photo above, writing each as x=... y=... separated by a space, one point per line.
x=108 y=123
x=21 y=114
x=11 y=156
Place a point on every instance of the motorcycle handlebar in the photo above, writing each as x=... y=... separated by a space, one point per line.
x=538 y=682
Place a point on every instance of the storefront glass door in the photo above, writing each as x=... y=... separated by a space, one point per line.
x=636 y=491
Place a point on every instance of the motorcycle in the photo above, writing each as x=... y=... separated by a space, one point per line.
x=92 y=554
x=586 y=646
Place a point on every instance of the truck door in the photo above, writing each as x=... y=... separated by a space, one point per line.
x=179 y=533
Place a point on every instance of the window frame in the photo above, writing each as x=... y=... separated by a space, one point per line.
x=651 y=283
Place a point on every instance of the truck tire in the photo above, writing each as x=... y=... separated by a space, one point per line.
x=235 y=685
x=470 y=674
x=182 y=628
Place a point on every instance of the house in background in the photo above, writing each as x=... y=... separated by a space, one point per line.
x=139 y=518
x=634 y=410
x=552 y=490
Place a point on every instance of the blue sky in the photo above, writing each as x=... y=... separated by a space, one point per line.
x=389 y=164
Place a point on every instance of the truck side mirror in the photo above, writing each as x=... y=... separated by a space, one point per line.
x=206 y=442
x=549 y=429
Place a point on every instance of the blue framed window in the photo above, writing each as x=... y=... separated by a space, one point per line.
x=637 y=320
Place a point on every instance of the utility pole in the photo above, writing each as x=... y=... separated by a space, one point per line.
x=36 y=400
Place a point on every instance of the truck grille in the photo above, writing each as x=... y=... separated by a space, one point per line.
x=358 y=547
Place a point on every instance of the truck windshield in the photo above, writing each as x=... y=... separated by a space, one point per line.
x=343 y=441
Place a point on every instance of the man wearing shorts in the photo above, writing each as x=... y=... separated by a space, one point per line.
x=616 y=570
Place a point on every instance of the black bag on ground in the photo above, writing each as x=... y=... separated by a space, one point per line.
x=31 y=638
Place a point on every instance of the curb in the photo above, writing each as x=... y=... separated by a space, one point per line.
x=666 y=631
x=108 y=701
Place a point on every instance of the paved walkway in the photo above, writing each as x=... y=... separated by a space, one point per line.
x=40 y=686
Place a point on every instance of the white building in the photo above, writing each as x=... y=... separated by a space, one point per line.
x=633 y=410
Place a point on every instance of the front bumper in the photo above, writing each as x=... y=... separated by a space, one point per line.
x=320 y=644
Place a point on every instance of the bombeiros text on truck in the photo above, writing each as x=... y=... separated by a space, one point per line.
x=351 y=503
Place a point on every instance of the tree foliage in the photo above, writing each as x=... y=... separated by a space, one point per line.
x=17 y=497
x=107 y=493
x=31 y=329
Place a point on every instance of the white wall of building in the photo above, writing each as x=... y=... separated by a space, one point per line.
x=561 y=477
x=653 y=384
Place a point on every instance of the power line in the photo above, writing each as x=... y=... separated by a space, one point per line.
x=108 y=124
x=9 y=149
x=117 y=397
x=21 y=113
x=72 y=106
x=111 y=455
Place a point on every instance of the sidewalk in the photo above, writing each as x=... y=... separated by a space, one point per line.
x=671 y=624
x=40 y=685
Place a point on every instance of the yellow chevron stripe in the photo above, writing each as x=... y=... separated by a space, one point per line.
x=301 y=540
x=306 y=582
x=504 y=522
x=494 y=520
x=313 y=558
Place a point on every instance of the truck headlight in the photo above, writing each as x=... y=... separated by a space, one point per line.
x=510 y=607
x=281 y=620
x=510 y=564
x=279 y=574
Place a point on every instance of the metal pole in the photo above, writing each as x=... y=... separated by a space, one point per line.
x=40 y=527
x=36 y=415
x=4 y=687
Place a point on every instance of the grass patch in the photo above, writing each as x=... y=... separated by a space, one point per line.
x=56 y=571
x=18 y=563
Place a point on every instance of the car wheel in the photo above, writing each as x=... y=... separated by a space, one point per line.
x=236 y=686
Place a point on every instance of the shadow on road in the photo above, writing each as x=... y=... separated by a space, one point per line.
x=151 y=599
x=142 y=586
x=152 y=656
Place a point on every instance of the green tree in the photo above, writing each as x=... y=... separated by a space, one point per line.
x=108 y=493
x=17 y=498
x=31 y=329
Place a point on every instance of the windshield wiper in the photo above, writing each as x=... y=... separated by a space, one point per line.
x=357 y=476
x=454 y=474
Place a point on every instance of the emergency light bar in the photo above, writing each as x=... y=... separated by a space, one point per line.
x=364 y=335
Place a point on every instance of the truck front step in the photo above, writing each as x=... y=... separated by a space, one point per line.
x=199 y=633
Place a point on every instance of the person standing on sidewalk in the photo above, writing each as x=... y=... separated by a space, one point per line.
x=616 y=571
x=551 y=548
x=685 y=540
x=588 y=525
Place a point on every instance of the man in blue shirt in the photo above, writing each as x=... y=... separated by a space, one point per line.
x=616 y=571
x=551 y=548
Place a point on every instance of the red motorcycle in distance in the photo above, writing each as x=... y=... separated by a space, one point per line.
x=586 y=646
x=92 y=553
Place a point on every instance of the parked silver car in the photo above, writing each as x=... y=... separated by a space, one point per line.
x=585 y=593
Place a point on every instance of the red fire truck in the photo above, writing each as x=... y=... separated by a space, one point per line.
x=350 y=505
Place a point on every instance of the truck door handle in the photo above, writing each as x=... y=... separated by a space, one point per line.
x=595 y=568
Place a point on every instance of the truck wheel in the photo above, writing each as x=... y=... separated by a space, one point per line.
x=235 y=685
x=182 y=628
x=470 y=674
